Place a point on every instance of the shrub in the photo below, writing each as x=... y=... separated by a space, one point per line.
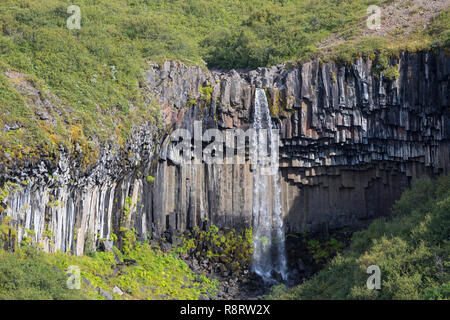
x=411 y=249
x=233 y=248
x=26 y=275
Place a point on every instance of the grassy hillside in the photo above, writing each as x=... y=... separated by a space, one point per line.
x=26 y=275
x=69 y=87
x=31 y=274
x=412 y=250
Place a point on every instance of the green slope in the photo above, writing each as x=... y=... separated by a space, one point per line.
x=412 y=250
x=31 y=274
x=92 y=75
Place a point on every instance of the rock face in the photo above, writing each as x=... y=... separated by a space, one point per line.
x=350 y=143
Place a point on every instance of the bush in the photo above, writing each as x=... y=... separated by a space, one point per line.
x=411 y=249
x=32 y=274
x=232 y=248
x=26 y=275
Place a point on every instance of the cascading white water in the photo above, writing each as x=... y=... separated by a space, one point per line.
x=268 y=240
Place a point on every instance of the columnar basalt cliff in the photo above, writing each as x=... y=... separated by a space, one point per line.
x=351 y=141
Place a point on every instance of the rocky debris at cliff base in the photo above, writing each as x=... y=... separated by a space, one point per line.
x=247 y=285
x=250 y=287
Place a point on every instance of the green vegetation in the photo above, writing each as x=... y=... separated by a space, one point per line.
x=232 y=248
x=439 y=31
x=276 y=31
x=207 y=93
x=157 y=275
x=412 y=250
x=322 y=251
x=152 y=273
x=128 y=236
x=94 y=73
x=8 y=187
x=437 y=35
x=29 y=273
x=8 y=234
x=91 y=76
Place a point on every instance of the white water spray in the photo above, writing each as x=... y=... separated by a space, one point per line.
x=268 y=230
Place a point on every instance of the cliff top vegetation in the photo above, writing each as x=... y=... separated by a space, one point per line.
x=61 y=86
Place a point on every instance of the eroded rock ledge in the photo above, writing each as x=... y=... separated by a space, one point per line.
x=350 y=144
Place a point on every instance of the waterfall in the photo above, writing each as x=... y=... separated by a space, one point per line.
x=268 y=231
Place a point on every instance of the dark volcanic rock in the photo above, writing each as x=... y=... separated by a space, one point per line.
x=350 y=143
